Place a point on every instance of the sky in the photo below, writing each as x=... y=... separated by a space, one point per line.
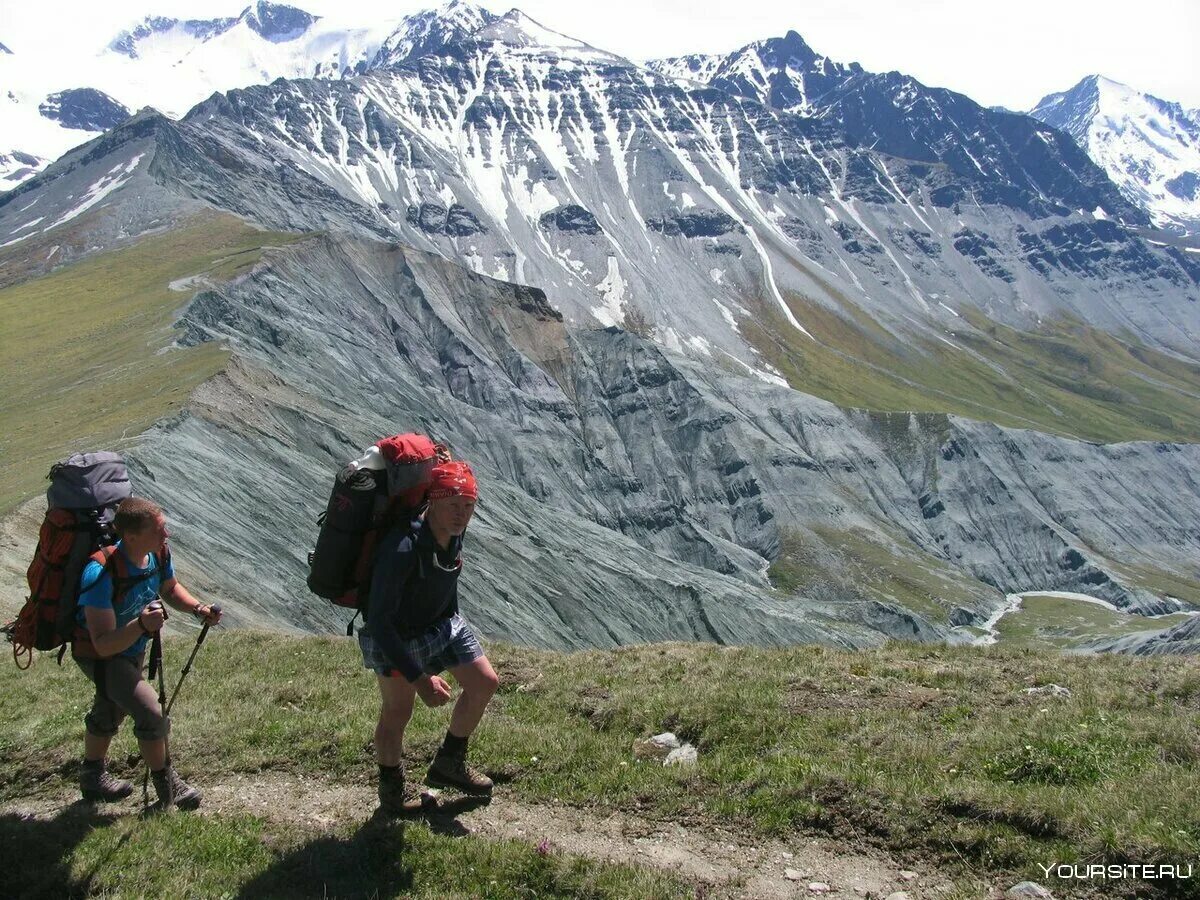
x=1008 y=53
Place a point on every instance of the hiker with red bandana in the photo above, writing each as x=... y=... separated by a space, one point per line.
x=414 y=632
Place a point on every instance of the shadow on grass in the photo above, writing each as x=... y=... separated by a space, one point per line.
x=443 y=818
x=37 y=852
x=368 y=863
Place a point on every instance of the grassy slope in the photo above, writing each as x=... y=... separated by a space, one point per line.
x=1067 y=379
x=934 y=753
x=81 y=367
x=856 y=565
x=1055 y=623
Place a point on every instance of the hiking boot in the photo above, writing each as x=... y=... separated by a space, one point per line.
x=451 y=771
x=173 y=790
x=391 y=794
x=96 y=784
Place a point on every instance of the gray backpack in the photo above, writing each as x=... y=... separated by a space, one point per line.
x=84 y=493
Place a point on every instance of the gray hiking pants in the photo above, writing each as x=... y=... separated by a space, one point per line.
x=121 y=691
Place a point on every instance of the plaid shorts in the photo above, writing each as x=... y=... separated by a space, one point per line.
x=448 y=644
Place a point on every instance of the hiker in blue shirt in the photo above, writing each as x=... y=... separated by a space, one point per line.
x=118 y=614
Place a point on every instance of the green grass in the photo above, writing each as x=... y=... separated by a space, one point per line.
x=1162 y=583
x=81 y=367
x=86 y=853
x=935 y=754
x=1067 y=378
x=852 y=564
x=1061 y=623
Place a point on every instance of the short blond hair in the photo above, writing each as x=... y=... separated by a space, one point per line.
x=135 y=515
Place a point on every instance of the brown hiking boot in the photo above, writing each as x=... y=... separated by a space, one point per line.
x=96 y=784
x=392 y=801
x=173 y=790
x=451 y=771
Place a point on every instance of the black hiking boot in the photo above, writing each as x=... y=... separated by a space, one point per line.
x=450 y=770
x=392 y=800
x=97 y=785
x=173 y=790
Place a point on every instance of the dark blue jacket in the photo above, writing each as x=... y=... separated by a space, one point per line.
x=414 y=588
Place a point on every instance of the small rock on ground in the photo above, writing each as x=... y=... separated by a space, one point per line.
x=1028 y=889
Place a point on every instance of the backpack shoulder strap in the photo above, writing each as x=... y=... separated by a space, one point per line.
x=108 y=560
x=117 y=567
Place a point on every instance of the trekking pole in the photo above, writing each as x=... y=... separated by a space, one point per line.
x=156 y=668
x=187 y=667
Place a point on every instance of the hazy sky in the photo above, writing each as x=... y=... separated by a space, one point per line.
x=1007 y=53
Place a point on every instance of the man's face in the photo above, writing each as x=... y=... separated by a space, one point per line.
x=451 y=514
x=150 y=538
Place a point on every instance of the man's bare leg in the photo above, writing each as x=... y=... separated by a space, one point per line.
x=449 y=768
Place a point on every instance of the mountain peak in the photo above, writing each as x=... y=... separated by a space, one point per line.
x=463 y=11
x=126 y=43
x=430 y=30
x=1149 y=147
x=276 y=22
x=793 y=44
x=517 y=30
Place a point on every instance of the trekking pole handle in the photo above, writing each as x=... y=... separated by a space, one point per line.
x=214 y=607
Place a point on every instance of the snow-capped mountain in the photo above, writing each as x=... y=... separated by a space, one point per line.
x=172 y=64
x=1149 y=147
x=784 y=72
x=533 y=157
x=39 y=123
x=471 y=216
x=83 y=109
x=272 y=22
x=1011 y=156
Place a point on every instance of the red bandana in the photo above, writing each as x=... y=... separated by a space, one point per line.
x=453 y=479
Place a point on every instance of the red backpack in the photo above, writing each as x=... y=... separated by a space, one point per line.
x=387 y=484
x=84 y=493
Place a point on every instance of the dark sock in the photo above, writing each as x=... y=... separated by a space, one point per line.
x=454 y=746
x=390 y=771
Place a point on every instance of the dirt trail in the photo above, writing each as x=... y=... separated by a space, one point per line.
x=730 y=862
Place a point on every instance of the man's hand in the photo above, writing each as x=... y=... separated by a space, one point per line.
x=152 y=617
x=433 y=690
x=210 y=614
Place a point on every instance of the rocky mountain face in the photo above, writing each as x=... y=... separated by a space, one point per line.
x=572 y=169
x=1150 y=148
x=632 y=492
x=596 y=282
x=84 y=109
x=1007 y=158
x=1178 y=640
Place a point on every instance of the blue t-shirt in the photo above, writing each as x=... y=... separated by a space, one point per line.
x=96 y=590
